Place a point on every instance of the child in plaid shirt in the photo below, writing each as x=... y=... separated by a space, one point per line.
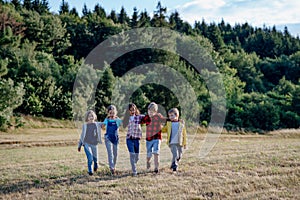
x=134 y=134
x=153 y=122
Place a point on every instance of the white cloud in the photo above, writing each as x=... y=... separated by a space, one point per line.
x=255 y=12
x=204 y=4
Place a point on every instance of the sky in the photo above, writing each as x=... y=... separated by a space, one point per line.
x=256 y=12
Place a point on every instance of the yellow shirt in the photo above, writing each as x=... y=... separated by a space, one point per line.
x=181 y=132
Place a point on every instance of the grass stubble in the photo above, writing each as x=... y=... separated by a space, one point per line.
x=44 y=164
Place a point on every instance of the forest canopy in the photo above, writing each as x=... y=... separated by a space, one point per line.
x=41 y=52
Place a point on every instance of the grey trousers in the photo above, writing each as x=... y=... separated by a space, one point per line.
x=176 y=150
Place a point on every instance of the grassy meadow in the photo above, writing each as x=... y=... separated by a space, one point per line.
x=43 y=163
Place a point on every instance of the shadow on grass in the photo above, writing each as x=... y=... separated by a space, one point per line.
x=44 y=183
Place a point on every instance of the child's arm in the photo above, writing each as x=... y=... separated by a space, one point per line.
x=184 y=137
x=104 y=123
x=164 y=129
x=80 y=142
x=145 y=120
x=119 y=122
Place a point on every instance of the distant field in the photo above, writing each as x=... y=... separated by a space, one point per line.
x=44 y=164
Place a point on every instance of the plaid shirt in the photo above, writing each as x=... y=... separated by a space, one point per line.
x=134 y=127
x=154 y=125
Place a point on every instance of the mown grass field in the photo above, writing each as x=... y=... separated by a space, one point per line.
x=44 y=164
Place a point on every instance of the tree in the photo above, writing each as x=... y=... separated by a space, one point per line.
x=245 y=64
x=144 y=20
x=64 y=7
x=104 y=92
x=214 y=34
x=17 y=4
x=159 y=18
x=99 y=11
x=40 y=6
x=52 y=35
x=113 y=16
x=27 y=4
x=134 y=18
x=123 y=18
x=85 y=10
x=74 y=12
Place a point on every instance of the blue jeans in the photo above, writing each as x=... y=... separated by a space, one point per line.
x=91 y=152
x=153 y=147
x=133 y=146
x=112 y=153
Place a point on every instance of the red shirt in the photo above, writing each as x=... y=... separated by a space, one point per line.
x=154 y=125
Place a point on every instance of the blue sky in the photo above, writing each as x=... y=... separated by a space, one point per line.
x=256 y=12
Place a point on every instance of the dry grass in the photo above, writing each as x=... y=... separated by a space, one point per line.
x=45 y=164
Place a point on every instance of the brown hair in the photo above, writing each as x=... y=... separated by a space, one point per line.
x=175 y=111
x=127 y=114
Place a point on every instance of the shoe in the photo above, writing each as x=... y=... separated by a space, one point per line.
x=178 y=159
x=156 y=171
x=91 y=173
x=95 y=169
x=134 y=173
x=112 y=171
x=172 y=165
x=148 y=165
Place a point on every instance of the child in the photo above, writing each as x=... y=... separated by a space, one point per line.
x=134 y=134
x=89 y=139
x=112 y=123
x=176 y=136
x=154 y=122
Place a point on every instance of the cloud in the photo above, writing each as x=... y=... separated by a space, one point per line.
x=255 y=12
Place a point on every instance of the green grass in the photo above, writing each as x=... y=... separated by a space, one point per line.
x=46 y=165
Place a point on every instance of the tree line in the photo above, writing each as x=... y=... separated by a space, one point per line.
x=41 y=52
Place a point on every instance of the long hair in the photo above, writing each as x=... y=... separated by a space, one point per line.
x=127 y=114
x=87 y=115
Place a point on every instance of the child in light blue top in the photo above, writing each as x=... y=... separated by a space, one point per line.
x=112 y=124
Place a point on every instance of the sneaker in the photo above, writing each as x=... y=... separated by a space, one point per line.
x=112 y=171
x=172 y=165
x=148 y=165
x=178 y=159
x=134 y=173
x=156 y=171
x=90 y=173
x=95 y=169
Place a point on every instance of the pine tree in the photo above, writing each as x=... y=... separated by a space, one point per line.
x=17 y=4
x=113 y=16
x=99 y=11
x=159 y=18
x=104 y=92
x=74 y=12
x=123 y=18
x=27 y=4
x=134 y=18
x=144 y=20
x=85 y=10
x=64 y=7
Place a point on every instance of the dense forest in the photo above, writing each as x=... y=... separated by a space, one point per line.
x=41 y=52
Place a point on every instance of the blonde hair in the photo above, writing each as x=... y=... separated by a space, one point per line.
x=175 y=111
x=112 y=107
x=153 y=106
x=87 y=115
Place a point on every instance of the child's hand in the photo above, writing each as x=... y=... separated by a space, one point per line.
x=79 y=149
